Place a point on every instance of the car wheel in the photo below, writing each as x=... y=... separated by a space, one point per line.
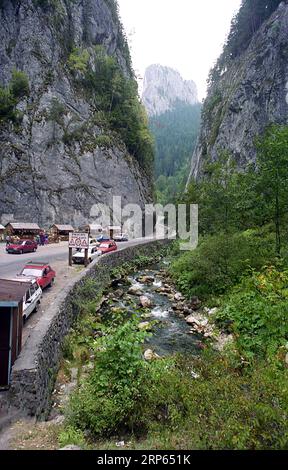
x=52 y=282
x=34 y=249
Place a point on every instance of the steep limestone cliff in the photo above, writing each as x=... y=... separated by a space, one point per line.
x=59 y=154
x=163 y=87
x=249 y=95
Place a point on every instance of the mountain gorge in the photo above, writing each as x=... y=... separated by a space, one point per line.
x=247 y=87
x=174 y=119
x=72 y=129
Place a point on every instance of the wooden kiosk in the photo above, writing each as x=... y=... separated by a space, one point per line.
x=11 y=321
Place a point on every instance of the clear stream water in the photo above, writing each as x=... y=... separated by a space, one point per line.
x=171 y=334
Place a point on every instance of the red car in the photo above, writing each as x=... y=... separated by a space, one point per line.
x=106 y=247
x=22 y=246
x=42 y=272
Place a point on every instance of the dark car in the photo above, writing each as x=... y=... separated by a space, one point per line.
x=22 y=246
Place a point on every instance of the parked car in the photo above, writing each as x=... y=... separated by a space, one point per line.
x=79 y=256
x=42 y=272
x=106 y=247
x=103 y=238
x=32 y=299
x=122 y=237
x=22 y=246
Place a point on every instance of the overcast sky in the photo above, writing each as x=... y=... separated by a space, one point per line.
x=187 y=35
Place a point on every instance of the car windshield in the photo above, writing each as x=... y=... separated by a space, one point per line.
x=104 y=245
x=32 y=272
x=17 y=243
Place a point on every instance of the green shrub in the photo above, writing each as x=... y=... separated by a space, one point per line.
x=11 y=95
x=256 y=312
x=7 y=105
x=19 y=84
x=109 y=398
x=78 y=60
x=219 y=261
x=71 y=436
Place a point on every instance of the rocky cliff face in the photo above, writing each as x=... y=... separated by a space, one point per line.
x=163 y=87
x=250 y=94
x=56 y=158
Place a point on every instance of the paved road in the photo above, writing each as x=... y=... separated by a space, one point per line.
x=11 y=264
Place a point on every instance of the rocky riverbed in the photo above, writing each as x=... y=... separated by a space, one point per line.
x=178 y=325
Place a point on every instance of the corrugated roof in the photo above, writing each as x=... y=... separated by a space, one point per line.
x=64 y=228
x=24 y=226
x=12 y=291
x=2 y=227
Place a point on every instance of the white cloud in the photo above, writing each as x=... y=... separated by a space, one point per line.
x=185 y=34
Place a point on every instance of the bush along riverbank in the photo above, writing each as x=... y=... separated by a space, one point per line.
x=146 y=368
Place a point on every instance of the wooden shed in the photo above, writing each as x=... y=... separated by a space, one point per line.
x=94 y=229
x=61 y=232
x=2 y=230
x=23 y=230
x=11 y=321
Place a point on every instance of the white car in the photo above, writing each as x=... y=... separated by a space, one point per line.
x=79 y=256
x=122 y=237
x=32 y=299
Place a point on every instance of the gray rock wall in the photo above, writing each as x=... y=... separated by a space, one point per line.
x=250 y=95
x=54 y=170
x=33 y=374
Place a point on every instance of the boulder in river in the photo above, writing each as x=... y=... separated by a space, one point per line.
x=145 y=302
x=178 y=296
x=146 y=279
x=149 y=355
x=135 y=290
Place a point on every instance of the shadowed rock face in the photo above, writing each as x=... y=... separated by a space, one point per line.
x=250 y=95
x=163 y=87
x=45 y=177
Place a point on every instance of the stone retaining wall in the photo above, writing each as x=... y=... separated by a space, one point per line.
x=34 y=372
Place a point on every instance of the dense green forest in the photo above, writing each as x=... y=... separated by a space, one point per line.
x=175 y=133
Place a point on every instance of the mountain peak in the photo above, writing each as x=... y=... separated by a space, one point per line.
x=163 y=87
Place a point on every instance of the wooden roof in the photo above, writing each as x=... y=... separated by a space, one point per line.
x=12 y=292
x=64 y=228
x=24 y=226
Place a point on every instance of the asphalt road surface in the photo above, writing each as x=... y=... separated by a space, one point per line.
x=12 y=264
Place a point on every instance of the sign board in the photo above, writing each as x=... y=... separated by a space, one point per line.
x=79 y=240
